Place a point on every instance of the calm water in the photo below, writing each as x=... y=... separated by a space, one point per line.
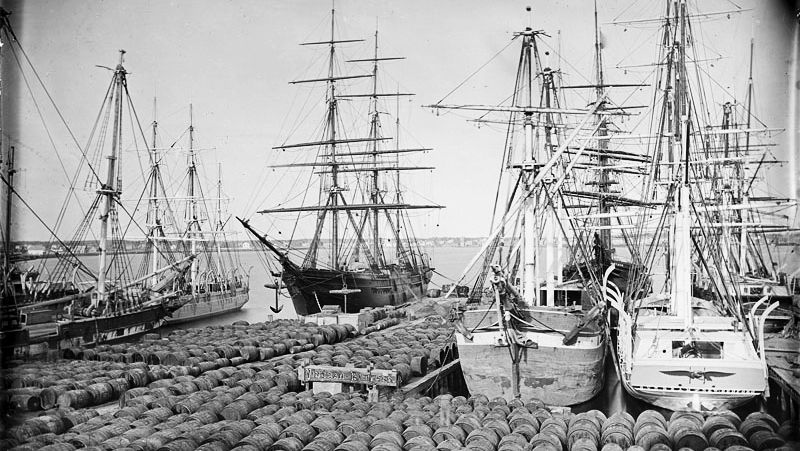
x=448 y=262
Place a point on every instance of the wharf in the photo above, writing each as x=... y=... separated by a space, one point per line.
x=783 y=360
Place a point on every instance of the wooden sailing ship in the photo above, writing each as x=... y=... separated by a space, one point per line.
x=532 y=326
x=216 y=282
x=359 y=272
x=675 y=350
x=746 y=216
x=63 y=302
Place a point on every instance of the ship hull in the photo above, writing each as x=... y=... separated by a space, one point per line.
x=552 y=372
x=310 y=288
x=716 y=367
x=208 y=304
x=82 y=332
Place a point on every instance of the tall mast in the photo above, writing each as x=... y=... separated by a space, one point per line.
x=397 y=194
x=745 y=196
x=154 y=205
x=531 y=236
x=9 y=161
x=194 y=225
x=10 y=171
x=334 y=190
x=108 y=190
x=681 y=278
x=219 y=235
x=603 y=181
x=374 y=133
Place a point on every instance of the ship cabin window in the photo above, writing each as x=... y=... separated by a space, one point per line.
x=697 y=349
x=563 y=297
x=755 y=290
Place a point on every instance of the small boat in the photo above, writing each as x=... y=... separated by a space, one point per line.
x=361 y=270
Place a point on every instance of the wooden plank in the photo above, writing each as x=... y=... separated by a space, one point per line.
x=325 y=373
x=424 y=382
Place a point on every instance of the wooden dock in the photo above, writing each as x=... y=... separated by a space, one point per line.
x=784 y=375
x=447 y=379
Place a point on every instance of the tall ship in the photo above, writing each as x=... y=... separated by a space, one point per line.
x=192 y=222
x=675 y=350
x=747 y=215
x=363 y=252
x=533 y=324
x=67 y=301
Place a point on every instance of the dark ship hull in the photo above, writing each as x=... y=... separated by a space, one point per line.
x=312 y=288
x=39 y=339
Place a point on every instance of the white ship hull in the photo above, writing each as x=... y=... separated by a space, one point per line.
x=205 y=305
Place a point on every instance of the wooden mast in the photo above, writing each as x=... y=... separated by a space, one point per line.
x=602 y=159
x=194 y=224
x=108 y=190
x=745 y=196
x=681 y=280
x=335 y=191
x=154 y=222
x=9 y=162
x=531 y=237
x=374 y=133
x=10 y=171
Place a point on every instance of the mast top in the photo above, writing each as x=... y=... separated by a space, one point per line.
x=121 y=60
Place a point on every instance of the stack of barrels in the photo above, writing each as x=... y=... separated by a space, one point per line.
x=411 y=349
x=96 y=376
x=241 y=341
x=73 y=383
x=262 y=406
x=102 y=374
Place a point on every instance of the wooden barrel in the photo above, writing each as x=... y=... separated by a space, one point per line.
x=765 y=417
x=392 y=437
x=688 y=438
x=583 y=434
x=723 y=438
x=546 y=440
x=25 y=402
x=420 y=443
x=619 y=434
x=584 y=444
x=50 y=424
x=352 y=446
x=752 y=425
x=303 y=432
x=762 y=440
x=418 y=430
x=716 y=422
x=651 y=434
x=287 y=444
x=76 y=399
x=649 y=417
x=483 y=439
x=450 y=432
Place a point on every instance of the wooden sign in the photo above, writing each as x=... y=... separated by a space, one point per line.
x=323 y=373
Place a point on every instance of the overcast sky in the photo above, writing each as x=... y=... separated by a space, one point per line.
x=233 y=60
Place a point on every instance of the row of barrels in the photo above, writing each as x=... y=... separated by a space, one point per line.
x=80 y=385
x=105 y=372
x=260 y=341
x=190 y=394
x=411 y=349
x=258 y=406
